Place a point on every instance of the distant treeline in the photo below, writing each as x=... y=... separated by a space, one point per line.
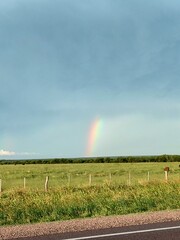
x=121 y=159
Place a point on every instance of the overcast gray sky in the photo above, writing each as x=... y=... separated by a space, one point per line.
x=64 y=63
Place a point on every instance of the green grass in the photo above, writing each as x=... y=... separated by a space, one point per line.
x=12 y=175
x=79 y=200
x=22 y=206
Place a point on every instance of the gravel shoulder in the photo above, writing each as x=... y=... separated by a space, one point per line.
x=27 y=230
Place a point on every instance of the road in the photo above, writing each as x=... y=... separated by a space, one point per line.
x=155 y=231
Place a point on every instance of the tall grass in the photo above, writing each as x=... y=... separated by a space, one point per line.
x=21 y=206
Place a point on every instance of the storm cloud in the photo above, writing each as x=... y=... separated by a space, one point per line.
x=63 y=63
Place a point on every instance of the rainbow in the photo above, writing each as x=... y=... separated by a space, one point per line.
x=93 y=136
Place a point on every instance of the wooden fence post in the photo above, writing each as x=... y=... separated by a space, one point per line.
x=166 y=175
x=90 y=179
x=166 y=170
x=46 y=183
x=0 y=185
x=69 y=179
x=24 y=182
x=148 y=177
x=129 y=179
x=110 y=177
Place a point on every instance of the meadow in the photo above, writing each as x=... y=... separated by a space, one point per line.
x=70 y=194
x=61 y=175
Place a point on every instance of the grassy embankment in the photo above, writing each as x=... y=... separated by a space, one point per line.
x=18 y=207
x=104 y=197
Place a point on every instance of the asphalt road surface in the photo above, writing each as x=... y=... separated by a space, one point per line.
x=155 y=231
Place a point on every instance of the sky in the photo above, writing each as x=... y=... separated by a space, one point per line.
x=82 y=78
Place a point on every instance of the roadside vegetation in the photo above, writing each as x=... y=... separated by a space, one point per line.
x=21 y=206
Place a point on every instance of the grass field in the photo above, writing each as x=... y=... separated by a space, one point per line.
x=78 y=174
x=77 y=199
x=22 y=206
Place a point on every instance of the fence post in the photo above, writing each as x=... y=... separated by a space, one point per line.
x=129 y=179
x=69 y=179
x=110 y=177
x=24 y=182
x=0 y=185
x=166 y=170
x=166 y=175
x=90 y=179
x=46 y=183
x=148 y=177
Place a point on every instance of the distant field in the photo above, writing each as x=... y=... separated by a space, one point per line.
x=79 y=174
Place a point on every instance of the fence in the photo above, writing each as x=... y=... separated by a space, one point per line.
x=91 y=179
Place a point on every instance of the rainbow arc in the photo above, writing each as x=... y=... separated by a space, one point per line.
x=93 y=136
